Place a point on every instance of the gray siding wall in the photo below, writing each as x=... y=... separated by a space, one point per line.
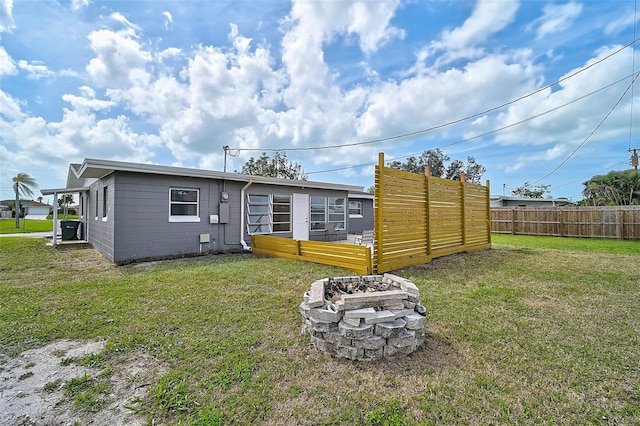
x=100 y=228
x=137 y=224
x=357 y=225
x=143 y=229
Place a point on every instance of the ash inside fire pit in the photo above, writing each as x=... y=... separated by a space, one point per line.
x=364 y=317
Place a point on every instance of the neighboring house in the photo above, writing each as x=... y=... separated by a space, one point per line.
x=360 y=212
x=29 y=208
x=131 y=211
x=36 y=210
x=504 y=201
x=5 y=211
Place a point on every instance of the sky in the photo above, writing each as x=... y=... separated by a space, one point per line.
x=536 y=91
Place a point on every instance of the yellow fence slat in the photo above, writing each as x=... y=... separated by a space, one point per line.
x=419 y=217
x=356 y=258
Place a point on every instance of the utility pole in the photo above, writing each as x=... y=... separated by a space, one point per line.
x=226 y=151
x=634 y=157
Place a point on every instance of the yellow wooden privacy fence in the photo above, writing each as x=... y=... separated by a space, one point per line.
x=417 y=217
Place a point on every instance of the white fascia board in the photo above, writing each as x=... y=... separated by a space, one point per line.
x=63 y=190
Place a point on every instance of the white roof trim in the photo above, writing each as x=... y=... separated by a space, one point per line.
x=63 y=190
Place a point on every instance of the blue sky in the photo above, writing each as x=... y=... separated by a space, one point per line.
x=172 y=82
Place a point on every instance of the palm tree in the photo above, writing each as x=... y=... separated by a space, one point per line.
x=22 y=184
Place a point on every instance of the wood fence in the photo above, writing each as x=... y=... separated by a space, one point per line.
x=620 y=222
x=349 y=256
x=417 y=217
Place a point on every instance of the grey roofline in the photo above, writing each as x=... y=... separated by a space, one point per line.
x=95 y=168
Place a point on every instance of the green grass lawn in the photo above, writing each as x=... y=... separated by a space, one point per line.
x=533 y=331
x=8 y=226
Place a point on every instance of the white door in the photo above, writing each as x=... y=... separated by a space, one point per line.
x=300 y=216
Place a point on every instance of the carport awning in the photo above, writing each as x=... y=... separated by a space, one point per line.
x=63 y=190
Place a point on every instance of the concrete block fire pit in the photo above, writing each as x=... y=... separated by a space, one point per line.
x=364 y=318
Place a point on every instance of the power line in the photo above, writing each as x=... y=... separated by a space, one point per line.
x=590 y=134
x=450 y=123
x=588 y=177
x=489 y=132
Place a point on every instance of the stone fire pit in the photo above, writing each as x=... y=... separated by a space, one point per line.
x=364 y=317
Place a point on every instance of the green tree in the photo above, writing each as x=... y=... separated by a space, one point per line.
x=278 y=167
x=531 y=191
x=437 y=162
x=618 y=188
x=64 y=202
x=22 y=184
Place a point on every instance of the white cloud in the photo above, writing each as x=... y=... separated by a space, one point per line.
x=87 y=100
x=488 y=17
x=118 y=55
x=9 y=106
x=36 y=70
x=79 y=4
x=34 y=141
x=169 y=53
x=573 y=122
x=557 y=18
x=6 y=16
x=370 y=20
x=168 y=19
x=120 y=18
x=625 y=21
x=7 y=66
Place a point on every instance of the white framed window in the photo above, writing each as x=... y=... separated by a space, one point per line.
x=105 y=203
x=281 y=213
x=355 y=209
x=327 y=209
x=184 y=205
x=258 y=214
x=336 y=207
x=268 y=213
x=318 y=208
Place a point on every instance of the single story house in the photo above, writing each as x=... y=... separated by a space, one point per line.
x=36 y=210
x=5 y=211
x=133 y=211
x=360 y=212
x=505 y=201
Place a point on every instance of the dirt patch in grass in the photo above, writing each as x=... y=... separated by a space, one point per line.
x=51 y=385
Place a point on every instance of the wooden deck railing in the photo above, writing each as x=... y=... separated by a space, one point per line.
x=349 y=256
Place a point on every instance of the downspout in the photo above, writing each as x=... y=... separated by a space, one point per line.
x=242 y=216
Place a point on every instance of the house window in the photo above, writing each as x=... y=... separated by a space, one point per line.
x=268 y=213
x=258 y=214
x=336 y=211
x=97 y=204
x=281 y=213
x=184 y=205
x=105 y=203
x=327 y=209
x=355 y=209
x=318 y=213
